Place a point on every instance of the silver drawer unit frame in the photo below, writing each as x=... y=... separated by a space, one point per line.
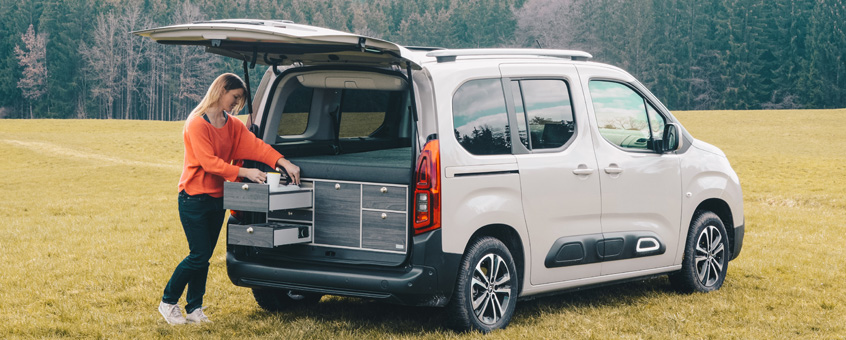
x=258 y=197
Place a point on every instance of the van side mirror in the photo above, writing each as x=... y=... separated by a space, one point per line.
x=671 y=140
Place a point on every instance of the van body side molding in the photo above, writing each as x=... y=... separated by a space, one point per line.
x=481 y=170
x=593 y=248
x=487 y=173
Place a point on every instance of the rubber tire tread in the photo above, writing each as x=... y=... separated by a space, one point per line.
x=460 y=314
x=685 y=280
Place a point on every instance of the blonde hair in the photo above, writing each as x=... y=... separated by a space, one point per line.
x=224 y=82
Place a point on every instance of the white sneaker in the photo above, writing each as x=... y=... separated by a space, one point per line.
x=171 y=313
x=197 y=316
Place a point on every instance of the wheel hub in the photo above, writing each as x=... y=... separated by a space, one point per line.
x=490 y=289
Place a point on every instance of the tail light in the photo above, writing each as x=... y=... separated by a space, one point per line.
x=238 y=215
x=427 y=189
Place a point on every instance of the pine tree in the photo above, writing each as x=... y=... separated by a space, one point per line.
x=64 y=20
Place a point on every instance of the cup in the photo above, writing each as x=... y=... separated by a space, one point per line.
x=273 y=180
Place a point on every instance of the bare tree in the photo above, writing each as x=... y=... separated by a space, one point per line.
x=550 y=23
x=132 y=50
x=102 y=62
x=33 y=84
x=194 y=66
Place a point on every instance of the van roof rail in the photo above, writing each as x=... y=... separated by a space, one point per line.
x=449 y=55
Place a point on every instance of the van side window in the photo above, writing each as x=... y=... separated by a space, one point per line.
x=294 y=118
x=480 y=119
x=545 y=105
x=362 y=112
x=624 y=117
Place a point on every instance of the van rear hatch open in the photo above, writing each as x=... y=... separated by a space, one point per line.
x=273 y=42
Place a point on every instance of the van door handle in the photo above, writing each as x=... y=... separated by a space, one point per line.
x=583 y=171
x=613 y=169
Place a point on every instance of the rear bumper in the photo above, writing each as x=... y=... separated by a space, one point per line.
x=427 y=280
x=738 y=241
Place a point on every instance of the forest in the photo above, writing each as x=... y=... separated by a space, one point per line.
x=78 y=58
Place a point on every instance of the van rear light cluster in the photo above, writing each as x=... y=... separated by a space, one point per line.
x=427 y=189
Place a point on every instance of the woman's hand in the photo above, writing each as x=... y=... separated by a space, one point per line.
x=254 y=175
x=292 y=170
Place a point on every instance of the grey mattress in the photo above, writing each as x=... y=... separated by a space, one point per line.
x=381 y=166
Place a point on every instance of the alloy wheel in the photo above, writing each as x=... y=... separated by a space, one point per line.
x=710 y=254
x=490 y=288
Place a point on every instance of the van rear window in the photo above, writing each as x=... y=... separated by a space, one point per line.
x=480 y=118
x=362 y=112
x=294 y=120
x=357 y=113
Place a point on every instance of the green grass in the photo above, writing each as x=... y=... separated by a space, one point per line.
x=91 y=235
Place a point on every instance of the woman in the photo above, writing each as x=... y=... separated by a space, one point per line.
x=213 y=138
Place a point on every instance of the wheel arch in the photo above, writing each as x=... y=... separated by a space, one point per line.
x=723 y=211
x=512 y=240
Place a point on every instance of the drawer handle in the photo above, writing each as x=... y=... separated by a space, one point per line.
x=250 y=230
x=245 y=187
x=337 y=186
x=384 y=216
x=384 y=190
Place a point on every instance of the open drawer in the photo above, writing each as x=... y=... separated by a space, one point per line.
x=268 y=235
x=258 y=198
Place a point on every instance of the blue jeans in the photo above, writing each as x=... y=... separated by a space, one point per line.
x=202 y=219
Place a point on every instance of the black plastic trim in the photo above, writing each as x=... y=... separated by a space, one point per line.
x=738 y=241
x=594 y=248
x=487 y=173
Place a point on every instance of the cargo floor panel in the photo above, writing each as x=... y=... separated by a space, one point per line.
x=381 y=166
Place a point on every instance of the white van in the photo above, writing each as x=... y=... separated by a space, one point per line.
x=464 y=178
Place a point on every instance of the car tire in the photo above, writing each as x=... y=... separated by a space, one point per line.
x=706 y=256
x=275 y=300
x=486 y=289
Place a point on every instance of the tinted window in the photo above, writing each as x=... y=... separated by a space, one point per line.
x=545 y=105
x=622 y=115
x=656 y=122
x=480 y=119
x=294 y=118
x=359 y=112
x=362 y=112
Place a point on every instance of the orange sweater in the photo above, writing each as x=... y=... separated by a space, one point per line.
x=209 y=151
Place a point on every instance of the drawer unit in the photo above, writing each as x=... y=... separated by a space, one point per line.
x=268 y=235
x=383 y=230
x=337 y=213
x=258 y=198
x=383 y=197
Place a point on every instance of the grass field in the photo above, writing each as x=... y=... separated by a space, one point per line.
x=91 y=235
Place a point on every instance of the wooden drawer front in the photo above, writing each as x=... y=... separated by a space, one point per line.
x=337 y=214
x=383 y=230
x=383 y=197
x=256 y=197
x=252 y=199
x=300 y=215
x=268 y=235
